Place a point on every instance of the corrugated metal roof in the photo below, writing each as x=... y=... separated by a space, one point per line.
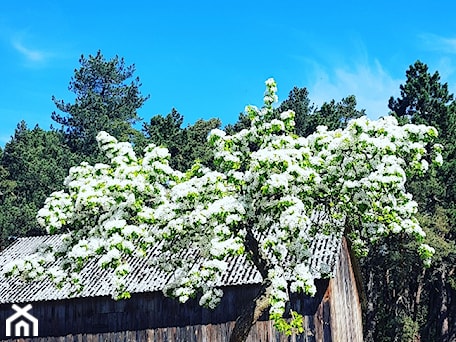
x=143 y=277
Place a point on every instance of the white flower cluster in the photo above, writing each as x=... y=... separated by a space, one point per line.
x=304 y=280
x=279 y=294
x=269 y=186
x=33 y=267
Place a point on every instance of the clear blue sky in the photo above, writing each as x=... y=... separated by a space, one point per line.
x=211 y=58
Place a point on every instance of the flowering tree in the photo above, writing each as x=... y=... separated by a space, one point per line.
x=260 y=201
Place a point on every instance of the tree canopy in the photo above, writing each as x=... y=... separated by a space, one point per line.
x=424 y=99
x=33 y=165
x=106 y=100
x=185 y=145
x=405 y=302
x=259 y=200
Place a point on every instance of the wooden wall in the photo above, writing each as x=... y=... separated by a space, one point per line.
x=344 y=302
x=263 y=331
x=148 y=311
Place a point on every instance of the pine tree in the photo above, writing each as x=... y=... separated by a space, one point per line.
x=105 y=100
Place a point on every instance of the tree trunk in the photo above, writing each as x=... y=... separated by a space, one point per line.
x=261 y=302
x=452 y=319
x=452 y=307
x=252 y=313
x=443 y=307
x=419 y=291
x=370 y=313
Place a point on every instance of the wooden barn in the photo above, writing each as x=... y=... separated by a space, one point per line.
x=333 y=314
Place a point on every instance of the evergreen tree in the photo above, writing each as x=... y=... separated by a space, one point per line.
x=184 y=144
x=424 y=99
x=106 y=100
x=421 y=305
x=197 y=146
x=298 y=101
x=166 y=131
x=336 y=115
x=243 y=122
x=33 y=164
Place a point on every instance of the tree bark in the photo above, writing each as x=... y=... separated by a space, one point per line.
x=444 y=307
x=251 y=314
x=452 y=319
x=419 y=291
x=370 y=312
x=254 y=309
x=452 y=308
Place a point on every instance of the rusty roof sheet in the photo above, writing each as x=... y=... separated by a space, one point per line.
x=143 y=277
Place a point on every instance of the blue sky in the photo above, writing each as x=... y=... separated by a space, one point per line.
x=211 y=58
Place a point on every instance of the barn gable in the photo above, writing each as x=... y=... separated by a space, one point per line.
x=148 y=313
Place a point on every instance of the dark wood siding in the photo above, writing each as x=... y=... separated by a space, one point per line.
x=263 y=331
x=102 y=315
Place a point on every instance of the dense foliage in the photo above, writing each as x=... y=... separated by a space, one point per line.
x=405 y=302
x=185 y=145
x=33 y=164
